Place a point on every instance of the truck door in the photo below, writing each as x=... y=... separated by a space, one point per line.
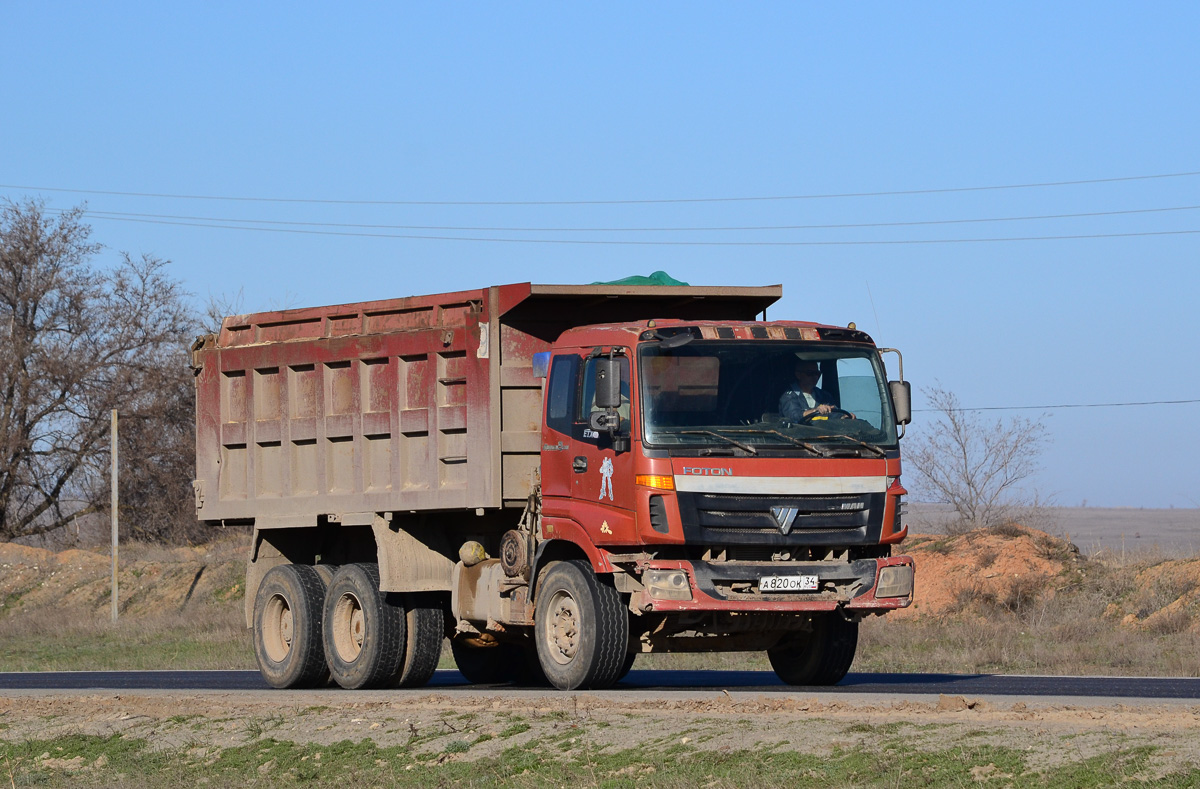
x=562 y=398
x=579 y=463
x=607 y=479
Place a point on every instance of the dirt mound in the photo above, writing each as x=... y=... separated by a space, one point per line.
x=12 y=553
x=1163 y=598
x=977 y=571
x=151 y=579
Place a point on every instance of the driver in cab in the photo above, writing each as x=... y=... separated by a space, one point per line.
x=804 y=400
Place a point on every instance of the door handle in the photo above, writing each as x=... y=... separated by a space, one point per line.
x=579 y=463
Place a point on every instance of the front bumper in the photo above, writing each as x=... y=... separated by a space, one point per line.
x=733 y=586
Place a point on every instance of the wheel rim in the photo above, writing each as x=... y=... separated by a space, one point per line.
x=349 y=627
x=562 y=629
x=277 y=628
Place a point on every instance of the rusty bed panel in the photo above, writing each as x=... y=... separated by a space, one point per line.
x=363 y=408
x=419 y=403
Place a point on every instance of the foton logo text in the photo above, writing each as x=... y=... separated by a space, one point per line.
x=708 y=472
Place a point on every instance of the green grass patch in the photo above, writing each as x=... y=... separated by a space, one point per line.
x=104 y=761
x=871 y=728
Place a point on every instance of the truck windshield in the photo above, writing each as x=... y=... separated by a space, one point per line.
x=809 y=397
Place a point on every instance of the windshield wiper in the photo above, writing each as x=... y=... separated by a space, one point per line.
x=878 y=452
x=790 y=439
x=733 y=441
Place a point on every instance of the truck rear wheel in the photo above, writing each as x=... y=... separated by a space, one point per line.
x=326 y=572
x=287 y=627
x=364 y=633
x=581 y=629
x=515 y=663
x=425 y=630
x=820 y=657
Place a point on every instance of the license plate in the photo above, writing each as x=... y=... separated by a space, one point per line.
x=788 y=583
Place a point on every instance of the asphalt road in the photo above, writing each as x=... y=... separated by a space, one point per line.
x=665 y=682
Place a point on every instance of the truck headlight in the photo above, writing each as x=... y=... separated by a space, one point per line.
x=895 y=581
x=667 y=584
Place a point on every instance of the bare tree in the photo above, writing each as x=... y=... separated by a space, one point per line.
x=81 y=341
x=218 y=307
x=157 y=454
x=977 y=466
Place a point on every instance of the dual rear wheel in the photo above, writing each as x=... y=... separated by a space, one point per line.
x=287 y=627
x=309 y=628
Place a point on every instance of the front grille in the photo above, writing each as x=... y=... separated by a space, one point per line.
x=733 y=519
x=736 y=511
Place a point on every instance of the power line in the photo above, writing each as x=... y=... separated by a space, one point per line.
x=697 y=228
x=827 y=196
x=1060 y=406
x=608 y=242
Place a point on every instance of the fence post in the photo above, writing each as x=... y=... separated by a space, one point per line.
x=113 y=508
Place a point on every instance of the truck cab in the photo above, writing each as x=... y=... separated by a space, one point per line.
x=729 y=525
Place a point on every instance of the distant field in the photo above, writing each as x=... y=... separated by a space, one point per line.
x=1116 y=529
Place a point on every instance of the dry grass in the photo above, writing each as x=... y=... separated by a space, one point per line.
x=180 y=608
x=1083 y=628
x=202 y=637
x=1007 y=529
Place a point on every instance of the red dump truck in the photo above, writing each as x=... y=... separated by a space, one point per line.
x=556 y=478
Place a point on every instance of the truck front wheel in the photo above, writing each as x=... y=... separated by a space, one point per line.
x=820 y=657
x=287 y=627
x=364 y=633
x=581 y=629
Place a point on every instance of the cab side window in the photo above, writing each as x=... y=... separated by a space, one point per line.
x=587 y=401
x=560 y=407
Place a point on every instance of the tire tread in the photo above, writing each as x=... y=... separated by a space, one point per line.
x=306 y=598
x=425 y=631
x=383 y=660
x=608 y=618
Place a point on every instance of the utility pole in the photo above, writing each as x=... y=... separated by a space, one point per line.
x=113 y=508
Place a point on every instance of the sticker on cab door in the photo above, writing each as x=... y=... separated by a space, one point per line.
x=606 y=472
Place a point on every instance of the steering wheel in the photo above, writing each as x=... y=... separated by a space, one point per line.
x=836 y=413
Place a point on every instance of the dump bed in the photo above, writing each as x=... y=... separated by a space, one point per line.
x=419 y=403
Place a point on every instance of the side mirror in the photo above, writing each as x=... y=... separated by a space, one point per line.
x=608 y=383
x=901 y=401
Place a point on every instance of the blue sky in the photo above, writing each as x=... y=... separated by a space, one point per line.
x=532 y=102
